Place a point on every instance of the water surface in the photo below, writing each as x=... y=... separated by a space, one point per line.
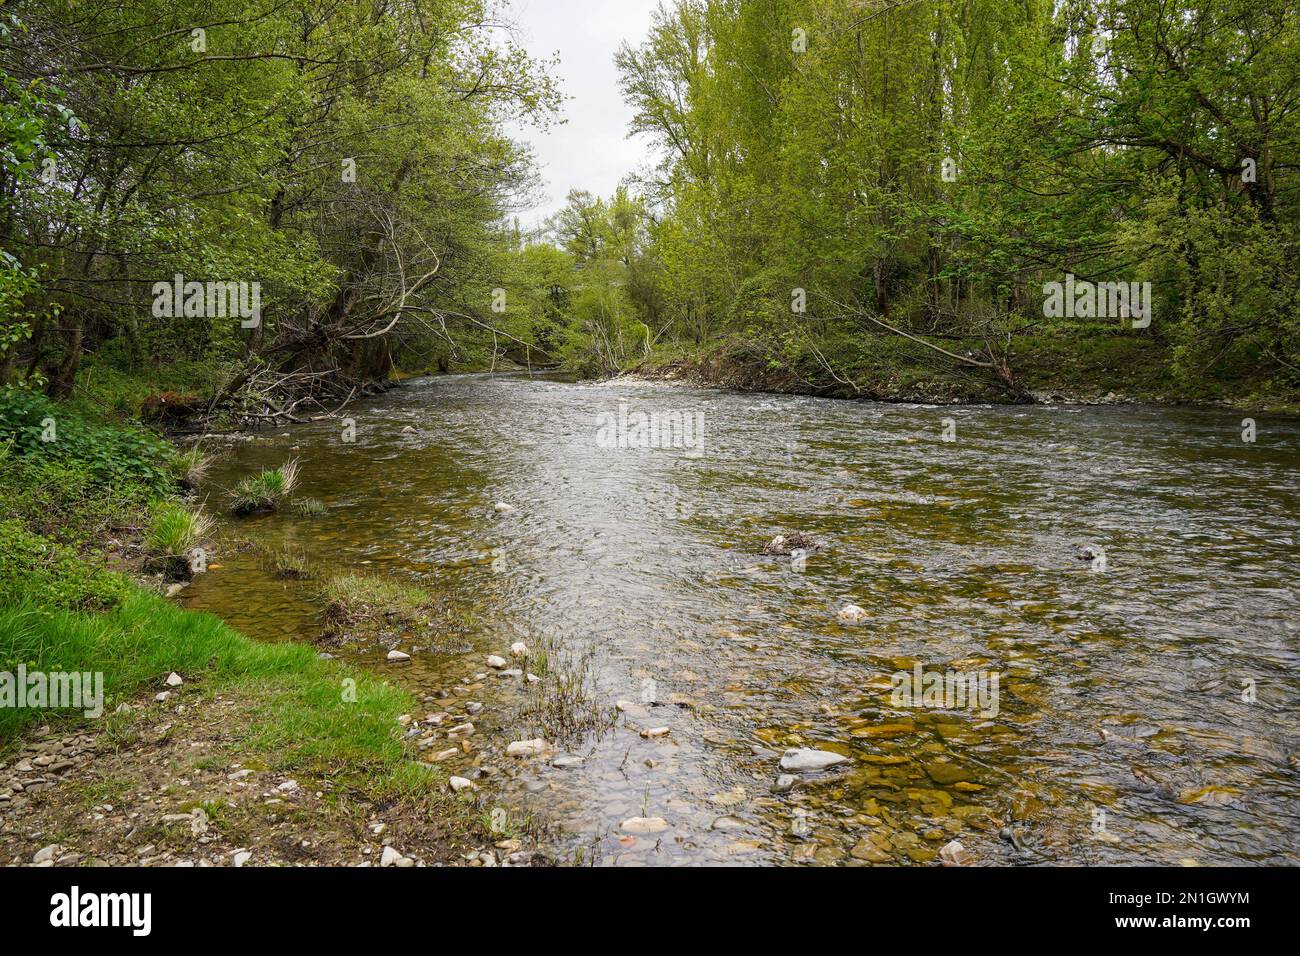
x=1146 y=712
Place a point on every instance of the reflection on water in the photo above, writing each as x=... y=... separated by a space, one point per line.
x=1147 y=711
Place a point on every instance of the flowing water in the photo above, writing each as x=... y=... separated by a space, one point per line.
x=1146 y=700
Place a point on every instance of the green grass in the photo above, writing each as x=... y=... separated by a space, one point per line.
x=176 y=530
x=100 y=486
x=309 y=507
x=304 y=718
x=264 y=492
x=356 y=592
x=286 y=561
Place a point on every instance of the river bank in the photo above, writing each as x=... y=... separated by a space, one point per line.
x=201 y=746
x=1108 y=370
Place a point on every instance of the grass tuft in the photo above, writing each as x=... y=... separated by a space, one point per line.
x=264 y=492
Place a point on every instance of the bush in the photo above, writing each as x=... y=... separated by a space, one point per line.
x=35 y=427
x=33 y=566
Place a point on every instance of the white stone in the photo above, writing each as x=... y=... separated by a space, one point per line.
x=519 y=649
x=567 y=761
x=654 y=732
x=46 y=854
x=289 y=786
x=242 y=857
x=162 y=698
x=954 y=854
x=174 y=679
x=852 y=614
x=526 y=748
x=503 y=508
x=391 y=857
x=645 y=825
x=460 y=783
x=800 y=759
x=397 y=656
x=496 y=663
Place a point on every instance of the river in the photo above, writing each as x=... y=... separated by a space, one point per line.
x=1146 y=700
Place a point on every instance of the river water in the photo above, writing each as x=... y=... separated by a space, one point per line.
x=1146 y=701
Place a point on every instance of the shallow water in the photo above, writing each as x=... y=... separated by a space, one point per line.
x=1126 y=729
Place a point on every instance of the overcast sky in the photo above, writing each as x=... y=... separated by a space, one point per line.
x=591 y=151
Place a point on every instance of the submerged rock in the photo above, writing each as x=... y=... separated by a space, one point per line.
x=954 y=854
x=644 y=825
x=526 y=748
x=804 y=760
x=852 y=614
x=784 y=544
x=397 y=657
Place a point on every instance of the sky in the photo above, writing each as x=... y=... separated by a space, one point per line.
x=591 y=151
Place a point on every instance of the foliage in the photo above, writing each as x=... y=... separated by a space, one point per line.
x=265 y=491
x=923 y=167
x=35 y=427
x=175 y=530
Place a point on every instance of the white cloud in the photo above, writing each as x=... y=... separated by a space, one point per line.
x=591 y=151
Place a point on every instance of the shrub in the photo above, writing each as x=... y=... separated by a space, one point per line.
x=113 y=456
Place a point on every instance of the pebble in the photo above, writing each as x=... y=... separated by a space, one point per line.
x=643 y=825
x=954 y=854
x=496 y=663
x=46 y=855
x=395 y=657
x=567 y=761
x=802 y=759
x=526 y=748
x=504 y=509
x=654 y=732
x=458 y=784
x=174 y=679
x=785 y=782
x=519 y=649
x=852 y=614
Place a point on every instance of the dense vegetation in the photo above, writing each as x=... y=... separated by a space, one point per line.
x=345 y=157
x=844 y=188
x=861 y=194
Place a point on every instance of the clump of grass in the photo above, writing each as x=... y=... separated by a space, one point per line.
x=564 y=707
x=367 y=607
x=264 y=492
x=287 y=562
x=309 y=507
x=191 y=467
x=351 y=599
x=175 y=531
